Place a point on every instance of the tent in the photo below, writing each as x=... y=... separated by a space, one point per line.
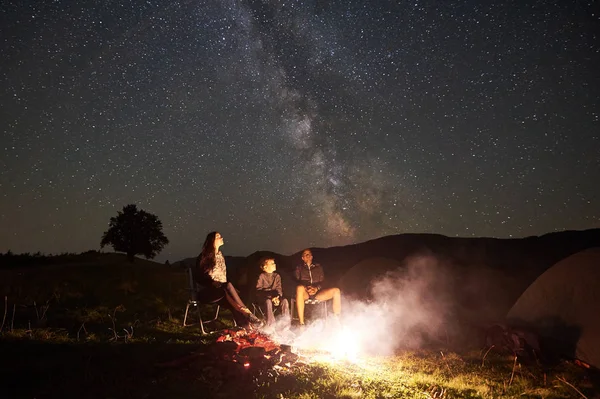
x=358 y=279
x=563 y=307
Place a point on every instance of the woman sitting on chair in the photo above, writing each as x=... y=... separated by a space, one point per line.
x=211 y=276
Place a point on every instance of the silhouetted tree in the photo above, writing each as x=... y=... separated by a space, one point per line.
x=135 y=232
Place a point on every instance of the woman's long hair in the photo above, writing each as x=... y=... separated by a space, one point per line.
x=206 y=259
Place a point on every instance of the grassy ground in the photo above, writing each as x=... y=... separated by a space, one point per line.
x=108 y=329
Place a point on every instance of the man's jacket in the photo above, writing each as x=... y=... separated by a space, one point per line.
x=309 y=275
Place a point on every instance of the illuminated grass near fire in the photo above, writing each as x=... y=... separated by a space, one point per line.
x=423 y=374
x=336 y=362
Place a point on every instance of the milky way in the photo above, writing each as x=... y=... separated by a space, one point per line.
x=288 y=124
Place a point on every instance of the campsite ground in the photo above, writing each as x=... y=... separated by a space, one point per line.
x=103 y=328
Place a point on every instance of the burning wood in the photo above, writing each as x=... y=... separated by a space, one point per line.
x=253 y=349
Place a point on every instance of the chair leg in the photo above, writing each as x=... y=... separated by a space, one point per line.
x=201 y=321
x=257 y=310
x=187 y=308
x=293 y=307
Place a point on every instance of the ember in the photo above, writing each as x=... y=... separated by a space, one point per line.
x=253 y=349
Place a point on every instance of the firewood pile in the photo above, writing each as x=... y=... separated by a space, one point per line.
x=253 y=349
x=237 y=364
x=240 y=355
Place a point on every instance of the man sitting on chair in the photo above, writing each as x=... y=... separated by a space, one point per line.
x=269 y=291
x=310 y=278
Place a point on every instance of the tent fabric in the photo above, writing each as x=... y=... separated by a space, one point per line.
x=563 y=307
x=358 y=279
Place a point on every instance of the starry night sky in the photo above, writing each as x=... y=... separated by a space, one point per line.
x=288 y=124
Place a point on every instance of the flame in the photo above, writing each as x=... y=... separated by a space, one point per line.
x=330 y=344
x=345 y=345
x=333 y=343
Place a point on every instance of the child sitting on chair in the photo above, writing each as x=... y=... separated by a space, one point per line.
x=269 y=292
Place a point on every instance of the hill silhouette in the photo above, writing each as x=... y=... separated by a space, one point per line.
x=86 y=288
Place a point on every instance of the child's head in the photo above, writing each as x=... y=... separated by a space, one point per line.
x=268 y=265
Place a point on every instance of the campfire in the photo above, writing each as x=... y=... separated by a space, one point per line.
x=257 y=349
x=283 y=349
x=254 y=349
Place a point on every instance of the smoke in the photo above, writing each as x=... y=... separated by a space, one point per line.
x=417 y=300
x=410 y=306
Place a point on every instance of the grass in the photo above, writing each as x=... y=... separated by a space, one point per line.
x=108 y=329
x=426 y=374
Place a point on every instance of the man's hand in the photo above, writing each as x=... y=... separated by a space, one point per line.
x=311 y=290
x=275 y=300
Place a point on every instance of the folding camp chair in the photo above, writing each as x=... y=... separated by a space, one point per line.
x=194 y=302
x=260 y=312
x=310 y=302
